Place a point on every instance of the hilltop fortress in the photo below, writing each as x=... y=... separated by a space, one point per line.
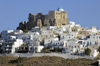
x=53 y=18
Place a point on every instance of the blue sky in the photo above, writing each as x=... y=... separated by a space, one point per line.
x=83 y=12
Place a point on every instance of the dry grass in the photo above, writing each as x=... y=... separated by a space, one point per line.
x=45 y=61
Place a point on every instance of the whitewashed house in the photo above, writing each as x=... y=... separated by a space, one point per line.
x=35 y=49
x=93 y=30
x=6 y=34
x=10 y=46
x=51 y=27
x=94 y=52
x=75 y=47
x=93 y=40
x=48 y=41
x=72 y=35
x=63 y=36
x=60 y=44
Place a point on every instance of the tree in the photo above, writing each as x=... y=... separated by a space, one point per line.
x=25 y=31
x=40 y=14
x=45 y=25
x=45 y=50
x=42 y=43
x=58 y=36
x=1 y=49
x=99 y=49
x=57 y=49
x=87 y=51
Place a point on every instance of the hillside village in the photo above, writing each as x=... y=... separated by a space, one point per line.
x=51 y=33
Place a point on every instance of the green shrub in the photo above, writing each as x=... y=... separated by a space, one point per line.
x=25 y=31
x=45 y=50
x=99 y=49
x=57 y=49
x=45 y=25
x=40 y=14
x=87 y=51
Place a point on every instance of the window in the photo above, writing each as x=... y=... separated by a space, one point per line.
x=95 y=42
x=90 y=43
x=83 y=45
x=31 y=48
x=87 y=42
x=63 y=36
x=56 y=44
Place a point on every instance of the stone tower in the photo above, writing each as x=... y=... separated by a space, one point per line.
x=59 y=17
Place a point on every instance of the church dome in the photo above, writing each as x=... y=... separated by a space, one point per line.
x=60 y=9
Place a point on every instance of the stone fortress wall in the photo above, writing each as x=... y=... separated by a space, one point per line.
x=53 y=18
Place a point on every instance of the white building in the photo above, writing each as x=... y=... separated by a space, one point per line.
x=6 y=33
x=93 y=30
x=11 y=45
x=94 y=51
x=51 y=27
x=35 y=29
x=75 y=47
x=50 y=40
x=60 y=44
x=72 y=35
x=29 y=38
x=63 y=36
x=93 y=40
x=67 y=28
x=35 y=49
x=60 y=31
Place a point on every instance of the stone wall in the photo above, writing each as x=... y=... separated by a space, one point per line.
x=54 y=18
